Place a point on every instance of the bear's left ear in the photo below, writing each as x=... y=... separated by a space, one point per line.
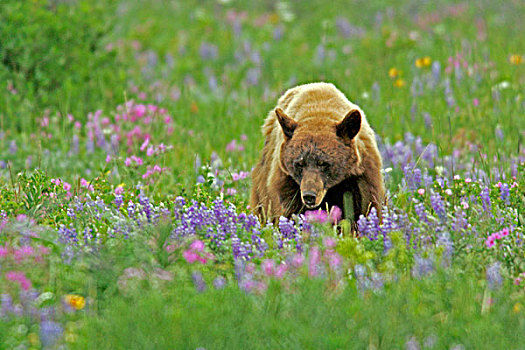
x=350 y=126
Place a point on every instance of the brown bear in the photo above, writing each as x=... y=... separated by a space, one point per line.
x=318 y=146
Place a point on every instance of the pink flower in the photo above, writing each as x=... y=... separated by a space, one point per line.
x=197 y=246
x=313 y=263
x=505 y=232
x=335 y=214
x=108 y=158
x=150 y=151
x=268 y=266
x=67 y=186
x=281 y=270
x=244 y=137
x=464 y=205
x=232 y=146
x=190 y=256
x=421 y=191
x=475 y=102
x=119 y=190
x=19 y=277
x=489 y=242
x=231 y=191
x=297 y=260
x=316 y=216
x=468 y=180
x=457 y=177
x=140 y=110
x=329 y=242
x=144 y=144
x=448 y=191
x=334 y=260
x=3 y=251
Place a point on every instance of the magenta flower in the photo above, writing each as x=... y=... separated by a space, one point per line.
x=281 y=270
x=297 y=260
x=335 y=214
x=3 y=251
x=190 y=256
x=268 y=266
x=119 y=190
x=329 y=242
x=316 y=216
x=313 y=263
x=19 y=277
x=197 y=246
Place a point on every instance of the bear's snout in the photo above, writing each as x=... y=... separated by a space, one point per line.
x=312 y=189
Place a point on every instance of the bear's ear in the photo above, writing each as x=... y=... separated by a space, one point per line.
x=287 y=124
x=350 y=126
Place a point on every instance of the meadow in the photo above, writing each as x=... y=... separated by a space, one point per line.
x=128 y=130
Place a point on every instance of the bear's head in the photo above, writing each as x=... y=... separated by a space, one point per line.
x=319 y=154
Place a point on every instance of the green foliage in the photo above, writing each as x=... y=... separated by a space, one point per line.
x=53 y=54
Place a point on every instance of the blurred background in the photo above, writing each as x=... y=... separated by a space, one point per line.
x=449 y=72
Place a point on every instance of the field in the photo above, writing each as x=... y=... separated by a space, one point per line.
x=128 y=130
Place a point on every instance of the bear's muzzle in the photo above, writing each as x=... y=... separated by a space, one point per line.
x=312 y=189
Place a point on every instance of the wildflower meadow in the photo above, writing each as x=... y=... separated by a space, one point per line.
x=128 y=131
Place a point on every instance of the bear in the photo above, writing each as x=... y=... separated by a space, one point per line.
x=318 y=147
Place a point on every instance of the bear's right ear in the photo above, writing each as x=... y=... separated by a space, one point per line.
x=287 y=124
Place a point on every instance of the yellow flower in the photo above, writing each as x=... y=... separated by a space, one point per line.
x=394 y=72
x=423 y=62
x=399 y=83
x=76 y=301
x=516 y=308
x=33 y=339
x=516 y=59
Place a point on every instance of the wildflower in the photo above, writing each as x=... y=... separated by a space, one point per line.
x=335 y=214
x=19 y=277
x=421 y=191
x=493 y=274
x=319 y=216
x=399 y=83
x=423 y=62
x=448 y=192
x=394 y=73
x=516 y=59
x=198 y=280
x=268 y=266
x=119 y=189
x=50 y=331
x=76 y=301
x=219 y=282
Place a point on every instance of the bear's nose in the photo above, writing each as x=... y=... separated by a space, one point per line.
x=309 y=198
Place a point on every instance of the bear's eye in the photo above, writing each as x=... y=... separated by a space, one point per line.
x=299 y=163
x=323 y=165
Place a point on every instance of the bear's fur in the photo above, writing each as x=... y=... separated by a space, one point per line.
x=318 y=146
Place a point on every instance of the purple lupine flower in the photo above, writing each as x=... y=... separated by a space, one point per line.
x=50 y=331
x=118 y=201
x=6 y=305
x=505 y=193
x=421 y=212
x=444 y=240
x=208 y=51
x=13 y=147
x=198 y=281
x=219 y=282
x=422 y=266
x=460 y=221
x=485 y=200
x=438 y=205
x=493 y=274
